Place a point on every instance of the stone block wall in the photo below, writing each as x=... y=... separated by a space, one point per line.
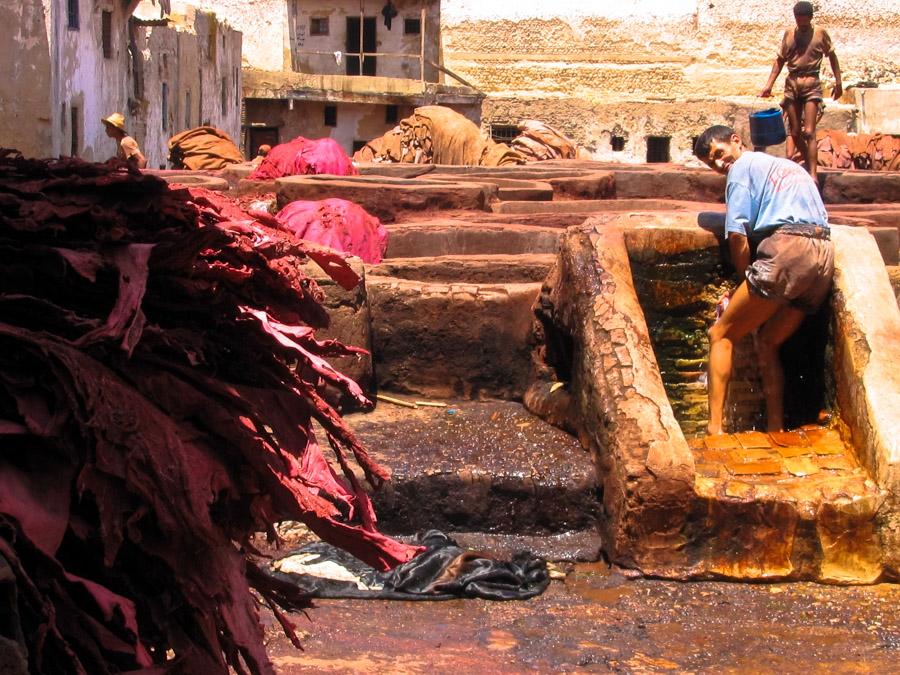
x=651 y=67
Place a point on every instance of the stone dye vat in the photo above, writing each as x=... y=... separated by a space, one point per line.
x=748 y=506
x=626 y=289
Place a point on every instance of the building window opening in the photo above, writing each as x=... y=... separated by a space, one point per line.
x=617 y=143
x=658 y=149
x=72 y=14
x=318 y=25
x=74 y=120
x=106 y=33
x=503 y=133
x=391 y=114
x=330 y=116
x=412 y=26
x=164 y=106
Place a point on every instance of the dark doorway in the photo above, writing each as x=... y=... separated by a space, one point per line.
x=261 y=136
x=368 y=45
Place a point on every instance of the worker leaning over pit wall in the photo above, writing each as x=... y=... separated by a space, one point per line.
x=775 y=204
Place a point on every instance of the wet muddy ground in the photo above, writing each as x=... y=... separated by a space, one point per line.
x=596 y=620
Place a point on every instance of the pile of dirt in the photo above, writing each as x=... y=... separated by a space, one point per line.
x=159 y=379
x=437 y=135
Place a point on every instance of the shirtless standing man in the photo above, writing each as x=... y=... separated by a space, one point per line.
x=802 y=48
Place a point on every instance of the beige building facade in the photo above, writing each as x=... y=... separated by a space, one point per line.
x=72 y=62
x=341 y=69
x=619 y=77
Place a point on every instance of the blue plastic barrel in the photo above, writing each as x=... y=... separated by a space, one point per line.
x=767 y=128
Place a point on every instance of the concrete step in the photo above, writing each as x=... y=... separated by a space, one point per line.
x=485 y=467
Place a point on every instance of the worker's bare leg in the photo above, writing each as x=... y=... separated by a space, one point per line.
x=745 y=313
x=810 y=115
x=769 y=339
x=795 y=122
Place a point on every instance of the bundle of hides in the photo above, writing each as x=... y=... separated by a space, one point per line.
x=338 y=224
x=840 y=150
x=434 y=134
x=305 y=156
x=151 y=422
x=538 y=141
x=203 y=148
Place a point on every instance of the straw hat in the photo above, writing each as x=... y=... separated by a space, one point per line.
x=116 y=120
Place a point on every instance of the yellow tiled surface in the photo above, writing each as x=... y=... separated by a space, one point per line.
x=803 y=465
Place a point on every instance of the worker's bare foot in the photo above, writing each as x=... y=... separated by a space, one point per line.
x=714 y=430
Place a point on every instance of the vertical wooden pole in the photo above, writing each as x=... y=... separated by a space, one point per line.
x=422 y=45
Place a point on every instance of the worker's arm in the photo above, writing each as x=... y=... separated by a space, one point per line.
x=776 y=69
x=836 y=69
x=740 y=252
x=139 y=160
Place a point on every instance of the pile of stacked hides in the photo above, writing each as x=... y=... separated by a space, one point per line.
x=438 y=135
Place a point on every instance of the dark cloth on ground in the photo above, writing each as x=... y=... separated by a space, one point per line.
x=444 y=571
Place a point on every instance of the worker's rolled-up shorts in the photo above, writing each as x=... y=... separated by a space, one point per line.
x=794 y=266
x=802 y=87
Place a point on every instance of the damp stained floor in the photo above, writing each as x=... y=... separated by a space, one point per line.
x=597 y=621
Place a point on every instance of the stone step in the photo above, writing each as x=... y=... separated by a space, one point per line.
x=786 y=501
x=452 y=339
x=484 y=467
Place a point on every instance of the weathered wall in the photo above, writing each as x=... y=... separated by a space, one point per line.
x=25 y=78
x=264 y=25
x=277 y=34
x=198 y=60
x=619 y=59
x=86 y=85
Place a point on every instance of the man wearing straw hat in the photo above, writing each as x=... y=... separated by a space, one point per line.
x=127 y=147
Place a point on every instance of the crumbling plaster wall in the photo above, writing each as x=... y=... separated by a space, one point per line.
x=86 y=81
x=277 y=34
x=25 y=78
x=198 y=59
x=622 y=59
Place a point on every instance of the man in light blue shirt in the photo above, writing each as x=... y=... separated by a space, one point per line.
x=772 y=205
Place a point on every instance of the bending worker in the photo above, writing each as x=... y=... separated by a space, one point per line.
x=126 y=147
x=774 y=206
x=802 y=48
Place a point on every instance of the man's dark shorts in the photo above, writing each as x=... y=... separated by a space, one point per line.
x=802 y=88
x=792 y=269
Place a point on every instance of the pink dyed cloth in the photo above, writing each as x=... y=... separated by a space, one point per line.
x=305 y=156
x=337 y=224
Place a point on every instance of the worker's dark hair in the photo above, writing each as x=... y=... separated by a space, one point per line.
x=717 y=132
x=803 y=8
